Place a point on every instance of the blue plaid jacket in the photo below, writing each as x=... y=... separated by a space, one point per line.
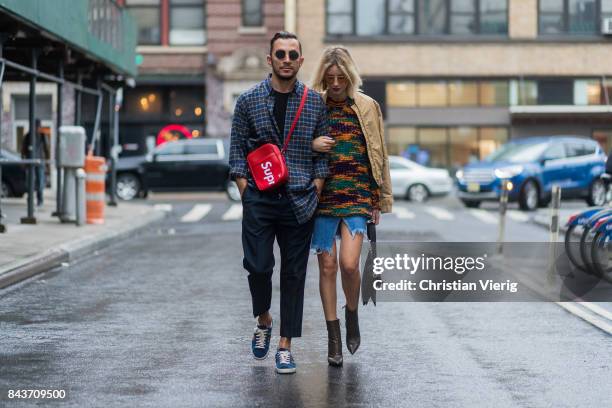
x=254 y=124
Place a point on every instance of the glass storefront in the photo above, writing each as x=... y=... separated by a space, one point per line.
x=446 y=147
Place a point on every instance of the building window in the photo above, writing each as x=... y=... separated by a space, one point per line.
x=463 y=17
x=252 y=14
x=432 y=16
x=409 y=94
x=340 y=16
x=573 y=17
x=148 y=18
x=493 y=93
x=463 y=93
x=560 y=91
x=368 y=18
x=187 y=22
x=588 y=92
x=401 y=94
x=401 y=17
x=432 y=94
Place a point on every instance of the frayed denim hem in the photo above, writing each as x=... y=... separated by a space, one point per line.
x=357 y=231
x=319 y=251
x=326 y=230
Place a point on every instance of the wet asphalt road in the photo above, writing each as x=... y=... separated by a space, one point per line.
x=164 y=320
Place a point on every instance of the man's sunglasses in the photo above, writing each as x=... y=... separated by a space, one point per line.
x=293 y=55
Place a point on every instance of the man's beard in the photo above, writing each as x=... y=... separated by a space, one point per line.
x=283 y=77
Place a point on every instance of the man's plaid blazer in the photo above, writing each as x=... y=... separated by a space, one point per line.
x=254 y=124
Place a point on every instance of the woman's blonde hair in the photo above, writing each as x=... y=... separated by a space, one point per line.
x=339 y=56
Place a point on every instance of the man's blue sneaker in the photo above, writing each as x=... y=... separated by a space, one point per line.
x=261 y=341
x=284 y=362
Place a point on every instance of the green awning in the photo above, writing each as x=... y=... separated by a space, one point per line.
x=99 y=29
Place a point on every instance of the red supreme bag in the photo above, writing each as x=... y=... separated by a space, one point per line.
x=267 y=162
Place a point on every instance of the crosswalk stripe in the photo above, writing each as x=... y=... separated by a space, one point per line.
x=484 y=216
x=440 y=213
x=234 y=213
x=163 y=207
x=403 y=213
x=198 y=212
x=518 y=216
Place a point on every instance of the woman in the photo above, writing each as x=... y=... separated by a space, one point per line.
x=357 y=190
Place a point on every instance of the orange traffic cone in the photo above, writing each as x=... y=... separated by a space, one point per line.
x=95 y=167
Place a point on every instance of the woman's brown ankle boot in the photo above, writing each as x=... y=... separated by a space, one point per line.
x=353 y=338
x=334 y=343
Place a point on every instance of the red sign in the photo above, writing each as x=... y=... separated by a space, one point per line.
x=172 y=133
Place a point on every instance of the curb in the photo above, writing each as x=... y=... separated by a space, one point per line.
x=545 y=222
x=70 y=251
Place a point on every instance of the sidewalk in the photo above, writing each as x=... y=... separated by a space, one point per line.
x=26 y=250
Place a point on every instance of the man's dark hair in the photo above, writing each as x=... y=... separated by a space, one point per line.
x=284 y=35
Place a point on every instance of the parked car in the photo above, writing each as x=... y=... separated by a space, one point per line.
x=533 y=166
x=13 y=176
x=189 y=165
x=130 y=177
x=417 y=183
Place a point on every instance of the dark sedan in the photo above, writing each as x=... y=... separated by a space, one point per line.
x=13 y=175
x=190 y=165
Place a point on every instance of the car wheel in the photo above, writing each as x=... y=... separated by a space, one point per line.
x=528 y=197
x=417 y=193
x=471 y=203
x=5 y=190
x=233 y=193
x=128 y=186
x=597 y=194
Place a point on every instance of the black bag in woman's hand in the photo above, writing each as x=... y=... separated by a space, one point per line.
x=369 y=277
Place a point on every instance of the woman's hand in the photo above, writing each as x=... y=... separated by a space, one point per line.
x=375 y=216
x=323 y=144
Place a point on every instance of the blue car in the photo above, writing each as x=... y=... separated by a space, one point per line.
x=533 y=166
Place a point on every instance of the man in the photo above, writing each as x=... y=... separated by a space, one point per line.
x=264 y=114
x=39 y=151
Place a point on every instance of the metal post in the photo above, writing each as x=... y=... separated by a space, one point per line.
x=93 y=146
x=503 y=206
x=112 y=96
x=58 y=121
x=77 y=102
x=2 y=226
x=30 y=219
x=554 y=232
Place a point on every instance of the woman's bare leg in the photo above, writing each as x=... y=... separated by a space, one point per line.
x=328 y=271
x=350 y=249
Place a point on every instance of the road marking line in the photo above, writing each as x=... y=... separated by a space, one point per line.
x=484 y=216
x=163 y=207
x=518 y=216
x=198 y=212
x=440 y=213
x=575 y=310
x=234 y=213
x=571 y=307
x=597 y=309
x=403 y=213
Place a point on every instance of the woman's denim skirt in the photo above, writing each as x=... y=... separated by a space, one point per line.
x=327 y=228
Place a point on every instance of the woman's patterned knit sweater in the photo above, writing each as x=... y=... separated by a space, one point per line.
x=350 y=188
